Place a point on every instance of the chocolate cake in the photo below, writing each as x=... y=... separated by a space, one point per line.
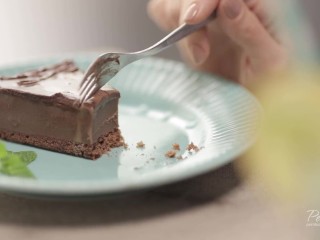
x=41 y=108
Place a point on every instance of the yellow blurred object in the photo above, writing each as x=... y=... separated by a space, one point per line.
x=286 y=157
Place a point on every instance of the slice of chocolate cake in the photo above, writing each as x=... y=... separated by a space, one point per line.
x=40 y=108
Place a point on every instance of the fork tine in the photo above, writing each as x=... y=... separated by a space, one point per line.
x=85 y=77
x=88 y=89
x=91 y=80
x=88 y=94
x=87 y=82
x=89 y=71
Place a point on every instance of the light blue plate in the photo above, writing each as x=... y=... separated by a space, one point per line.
x=162 y=103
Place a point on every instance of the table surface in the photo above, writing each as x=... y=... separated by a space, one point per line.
x=217 y=205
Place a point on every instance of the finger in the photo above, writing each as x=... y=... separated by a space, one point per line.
x=265 y=12
x=165 y=13
x=195 y=11
x=261 y=10
x=245 y=29
x=196 y=48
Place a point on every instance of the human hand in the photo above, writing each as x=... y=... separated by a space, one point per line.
x=239 y=45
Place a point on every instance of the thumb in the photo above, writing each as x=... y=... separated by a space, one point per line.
x=246 y=30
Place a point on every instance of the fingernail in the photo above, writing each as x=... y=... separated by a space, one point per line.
x=199 y=54
x=191 y=12
x=232 y=8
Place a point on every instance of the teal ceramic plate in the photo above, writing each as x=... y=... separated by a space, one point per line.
x=162 y=103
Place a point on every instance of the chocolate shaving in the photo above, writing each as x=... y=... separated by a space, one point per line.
x=31 y=78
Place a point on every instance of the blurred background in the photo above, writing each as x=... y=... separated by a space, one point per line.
x=37 y=28
x=312 y=9
x=32 y=29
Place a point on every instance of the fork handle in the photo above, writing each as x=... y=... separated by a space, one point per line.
x=175 y=36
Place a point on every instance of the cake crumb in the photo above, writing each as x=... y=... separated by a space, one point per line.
x=125 y=146
x=171 y=154
x=180 y=157
x=176 y=146
x=192 y=146
x=152 y=159
x=140 y=144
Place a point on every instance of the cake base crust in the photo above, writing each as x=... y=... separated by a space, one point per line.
x=89 y=151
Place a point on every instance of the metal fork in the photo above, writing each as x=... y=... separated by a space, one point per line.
x=107 y=65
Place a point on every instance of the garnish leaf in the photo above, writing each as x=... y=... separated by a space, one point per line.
x=3 y=150
x=16 y=163
x=13 y=165
x=26 y=156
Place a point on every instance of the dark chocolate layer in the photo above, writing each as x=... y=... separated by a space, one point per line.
x=57 y=116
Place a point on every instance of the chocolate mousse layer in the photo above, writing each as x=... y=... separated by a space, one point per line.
x=39 y=112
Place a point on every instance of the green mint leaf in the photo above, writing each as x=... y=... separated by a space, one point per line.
x=26 y=156
x=13 y=165
x=3 y=150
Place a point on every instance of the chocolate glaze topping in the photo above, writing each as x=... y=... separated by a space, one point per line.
x=31 y=78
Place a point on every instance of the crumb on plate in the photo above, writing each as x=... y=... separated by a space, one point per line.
x=192 y=146
x=171 y=154
x=176 y=146
x=180 y=157
x=140 y=144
